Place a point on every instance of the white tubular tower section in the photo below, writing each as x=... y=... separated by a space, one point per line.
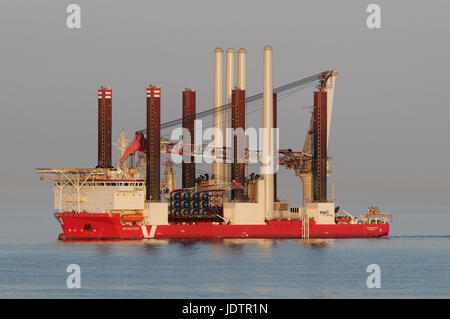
x=242 y=69
x=229 y=86
x=267 y=160
x=218 y=168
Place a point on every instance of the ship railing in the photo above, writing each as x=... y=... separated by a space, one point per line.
x=379 y=218
x=318 y=201
x=71 y=181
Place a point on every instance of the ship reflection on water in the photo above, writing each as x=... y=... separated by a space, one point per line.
x=317 y=243
x=187 y=246
x=258 y=242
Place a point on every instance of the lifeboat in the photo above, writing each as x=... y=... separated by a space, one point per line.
x=130 y=218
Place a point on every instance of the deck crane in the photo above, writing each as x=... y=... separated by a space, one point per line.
x=299 y=162
x=316 y=77
x=138 y=144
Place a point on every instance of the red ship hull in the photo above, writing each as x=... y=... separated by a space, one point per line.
x=89 y=226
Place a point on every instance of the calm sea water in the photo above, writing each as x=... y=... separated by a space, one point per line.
x=414 y=262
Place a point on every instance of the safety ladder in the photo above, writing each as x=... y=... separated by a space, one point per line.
x=305 y=227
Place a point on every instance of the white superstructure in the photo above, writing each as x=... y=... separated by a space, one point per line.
x=94 y=190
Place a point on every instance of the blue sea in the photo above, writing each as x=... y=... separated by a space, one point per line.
x=414 y=262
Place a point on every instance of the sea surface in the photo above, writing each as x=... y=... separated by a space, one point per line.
x=414 y=262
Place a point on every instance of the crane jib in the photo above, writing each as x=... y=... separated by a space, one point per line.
x=249 y=99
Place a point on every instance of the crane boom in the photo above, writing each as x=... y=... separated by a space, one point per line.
x=291 y=160
x=283 y=88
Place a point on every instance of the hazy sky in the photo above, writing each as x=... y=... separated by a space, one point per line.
x=389 y=135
